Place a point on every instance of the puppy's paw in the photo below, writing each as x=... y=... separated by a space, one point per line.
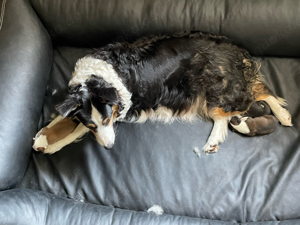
x=210 y=148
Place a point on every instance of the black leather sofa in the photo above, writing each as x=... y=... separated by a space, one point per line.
x=249 y=181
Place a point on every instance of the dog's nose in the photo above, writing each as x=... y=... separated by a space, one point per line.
x=108 y=146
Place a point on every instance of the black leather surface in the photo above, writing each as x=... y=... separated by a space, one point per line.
x=249 y=179
x=24 y=206
x=269 y=27
x=25 y=63
x=16 y=208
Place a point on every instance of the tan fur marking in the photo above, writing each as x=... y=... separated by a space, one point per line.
x=198 y=108
x=225 y=83
x=219 y=112
x=114 y=115
x=104 y=121
x=222 y=69
x=92 y=125
x=247 y=62
x=261 y=97
x=260 y=91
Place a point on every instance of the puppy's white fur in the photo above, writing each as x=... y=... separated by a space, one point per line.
x=242 y=127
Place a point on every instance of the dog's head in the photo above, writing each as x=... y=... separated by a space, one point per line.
x=96 y=104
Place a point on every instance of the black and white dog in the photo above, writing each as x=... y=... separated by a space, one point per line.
x=163 y=78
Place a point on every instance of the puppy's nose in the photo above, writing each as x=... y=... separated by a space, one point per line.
x=108 y=146
x=42 y=149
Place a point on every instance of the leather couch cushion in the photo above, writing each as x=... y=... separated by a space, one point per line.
x=249 y=179
x=25 y=63
x=21 y=206
x=269 y=27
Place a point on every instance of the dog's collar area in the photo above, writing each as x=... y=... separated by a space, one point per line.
x=88 y=67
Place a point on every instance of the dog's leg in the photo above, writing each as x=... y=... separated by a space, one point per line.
x=218 y=134
x=262 y=92
x=281 y=113
x=55 y=121
x=77 y=133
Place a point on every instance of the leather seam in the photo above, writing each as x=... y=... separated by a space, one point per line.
x=2 y=13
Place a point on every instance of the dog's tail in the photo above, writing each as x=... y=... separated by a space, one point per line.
x=262 y=92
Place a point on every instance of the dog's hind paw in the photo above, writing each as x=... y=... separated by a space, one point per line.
x=284 y=117
x=210 y=148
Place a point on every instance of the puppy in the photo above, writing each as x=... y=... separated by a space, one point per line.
x=261 y=125
x=163 y=78
x=256 y=121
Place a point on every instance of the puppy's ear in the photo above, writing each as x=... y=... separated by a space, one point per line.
x=68 y=107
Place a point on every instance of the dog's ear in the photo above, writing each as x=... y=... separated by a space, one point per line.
x=71 y=103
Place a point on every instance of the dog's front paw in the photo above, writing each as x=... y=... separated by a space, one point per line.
x=40 y=143
x=210 y=148
x=52 y=149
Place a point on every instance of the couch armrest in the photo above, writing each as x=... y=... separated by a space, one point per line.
x=25 y=64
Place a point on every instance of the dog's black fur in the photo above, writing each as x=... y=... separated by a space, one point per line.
x=173 y=71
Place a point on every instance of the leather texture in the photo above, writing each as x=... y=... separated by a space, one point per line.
x=50 y=209
x=268 y=27
x=250 y=180
x=25 y=63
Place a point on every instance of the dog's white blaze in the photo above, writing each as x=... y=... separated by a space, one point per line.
x=105 y=134
x=40 y=141
x=88 y=66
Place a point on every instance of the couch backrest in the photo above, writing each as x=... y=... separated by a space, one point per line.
x=268 y=27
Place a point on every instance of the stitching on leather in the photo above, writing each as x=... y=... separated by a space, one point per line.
x=2 y=13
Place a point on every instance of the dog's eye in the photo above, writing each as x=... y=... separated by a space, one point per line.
x=262 y=105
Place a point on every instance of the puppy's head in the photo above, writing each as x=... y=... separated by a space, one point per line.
x=96 y=104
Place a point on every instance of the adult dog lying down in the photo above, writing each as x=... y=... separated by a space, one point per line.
x=162 y=78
